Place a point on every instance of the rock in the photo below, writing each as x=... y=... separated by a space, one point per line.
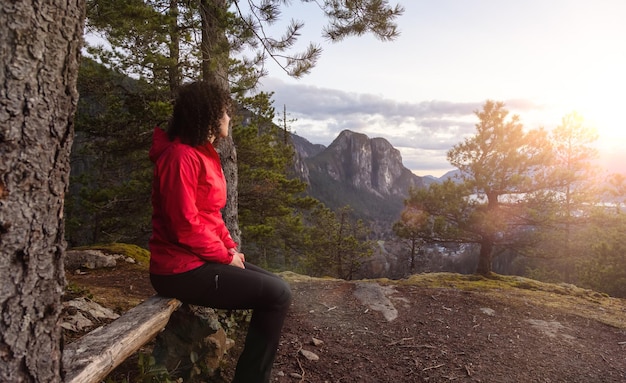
x=89 y=259
x=76 y=322
x=550 y=328
x=80 y=314
x=309 y=355
x=376 y=297
x=193 y=342
x=316 y=342
x=369 y=165
x=92 y=308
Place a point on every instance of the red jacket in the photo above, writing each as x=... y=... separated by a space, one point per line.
x=188 y=193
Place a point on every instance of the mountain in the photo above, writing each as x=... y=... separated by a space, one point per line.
x=430 y=179
x=365 y=173
x=304 y=149
x=452 y=174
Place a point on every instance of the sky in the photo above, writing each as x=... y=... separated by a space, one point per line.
x=543 y=58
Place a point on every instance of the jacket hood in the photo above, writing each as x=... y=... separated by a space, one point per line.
x=160 y=142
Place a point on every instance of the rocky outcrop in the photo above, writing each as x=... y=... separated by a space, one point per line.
x=369 y=165
x=92 y=259
x=303 y=149
x=364 y=173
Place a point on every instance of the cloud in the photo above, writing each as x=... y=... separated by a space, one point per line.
x=423 y=131
x=322 y=103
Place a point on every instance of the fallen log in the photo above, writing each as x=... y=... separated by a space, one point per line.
x=91 y=358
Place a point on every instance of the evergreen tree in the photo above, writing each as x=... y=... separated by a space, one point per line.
x=572 y=181
x=109 y=198
x=270 y=203
x=502 y=169
x=574 y=175
x=615 y=191
x=413 y=227
x=337 y=244
x=603 y=268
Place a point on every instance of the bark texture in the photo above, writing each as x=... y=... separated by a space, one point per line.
x=215 y=54
x=40 y=43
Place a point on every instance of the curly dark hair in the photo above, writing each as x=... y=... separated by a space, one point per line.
x=198 y=108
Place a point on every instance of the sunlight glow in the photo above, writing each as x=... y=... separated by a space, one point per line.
x=609 y=121
x=601 y=113
x=606 y=118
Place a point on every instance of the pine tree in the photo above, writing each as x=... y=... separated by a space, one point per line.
x=337 y=243
x=501 y=173
x=109 y=199
x=270 y=202
x=573 y=181
x=413 y=227
x=574 y=174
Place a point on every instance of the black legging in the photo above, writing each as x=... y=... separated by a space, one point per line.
x=228 y=287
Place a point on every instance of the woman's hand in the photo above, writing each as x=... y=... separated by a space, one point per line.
x=238 y=259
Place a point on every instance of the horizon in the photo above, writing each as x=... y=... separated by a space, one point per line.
x=609 y=165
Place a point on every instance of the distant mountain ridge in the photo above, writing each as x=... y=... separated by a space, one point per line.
x=365 y=173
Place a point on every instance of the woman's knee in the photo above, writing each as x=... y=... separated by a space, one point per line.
x=284 y=295
x=288 y=294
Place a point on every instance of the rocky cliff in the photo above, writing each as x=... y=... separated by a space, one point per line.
x=369 y=165
x=365 y=173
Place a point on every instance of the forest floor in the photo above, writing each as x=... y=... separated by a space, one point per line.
x=427 y=328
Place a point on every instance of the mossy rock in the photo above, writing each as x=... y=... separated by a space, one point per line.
x=139 y=254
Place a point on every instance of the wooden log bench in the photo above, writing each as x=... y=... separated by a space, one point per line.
x=92 y=357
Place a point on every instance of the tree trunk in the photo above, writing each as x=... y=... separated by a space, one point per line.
x=228 y=156
x=339 y=251
x=174 y=76
x=413 y=246
x=40 y=43
x=215 y=51
x=486 y=257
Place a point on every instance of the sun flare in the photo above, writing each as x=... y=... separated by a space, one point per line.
x=602 y=114
x=608 y=120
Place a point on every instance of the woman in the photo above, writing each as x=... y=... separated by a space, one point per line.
x=192 y=255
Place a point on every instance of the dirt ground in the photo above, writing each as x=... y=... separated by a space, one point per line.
x=386 y=331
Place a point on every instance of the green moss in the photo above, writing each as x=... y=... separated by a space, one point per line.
x=72 y=290
x=511 y=289
x=139 y=254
